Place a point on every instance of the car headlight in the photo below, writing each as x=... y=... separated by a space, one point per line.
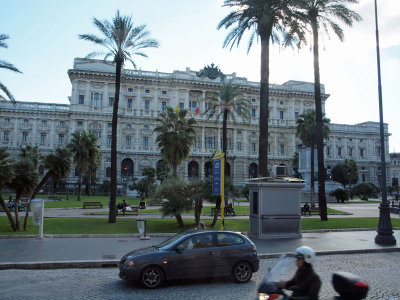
x=128 y=262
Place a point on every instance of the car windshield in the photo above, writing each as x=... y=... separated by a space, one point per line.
x=171 y=239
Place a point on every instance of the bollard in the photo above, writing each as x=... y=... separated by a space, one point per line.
x=141 y=225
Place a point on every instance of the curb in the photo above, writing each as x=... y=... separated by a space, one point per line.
x=95 y=264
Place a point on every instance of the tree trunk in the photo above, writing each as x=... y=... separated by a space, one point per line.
x=312 y=185
x=179 y=220
x=16 y=202
x=264 y=101
x=112 y=215
x=9 y=215
x=319 y=127
x=175 y=171
x=217 y=209
x=79 y=186
x=90 y=183
x=198 y=206
x=36 y=190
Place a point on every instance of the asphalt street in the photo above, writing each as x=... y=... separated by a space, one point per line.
x=380 y=270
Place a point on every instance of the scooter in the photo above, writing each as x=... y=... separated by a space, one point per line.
x=349 y=286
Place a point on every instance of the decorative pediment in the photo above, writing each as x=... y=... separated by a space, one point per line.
x=212 y=72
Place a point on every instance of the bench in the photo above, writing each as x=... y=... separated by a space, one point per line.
x=226 y=212
x=92 y=204
x=134 y=210
x=312 y=211
x=53 y=197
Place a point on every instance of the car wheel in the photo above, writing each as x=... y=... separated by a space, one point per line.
x=242 y=272
x=152 y=277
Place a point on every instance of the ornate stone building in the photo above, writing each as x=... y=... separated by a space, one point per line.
x=144 y=95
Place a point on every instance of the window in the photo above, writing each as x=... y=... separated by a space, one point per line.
x=350 y=140
x=281 y=135
x=328 y=150
x=146 y=127
x=339 y=151
x=378 y=151
x=253 y=133
x=62 y=123
x=7 y=120
x=339 y=139
x=128 y=141
x=163 y=92
x=61 y=139
x=362 y=152
x=282 y=147
x=239 y=111
x=253 y=147
x=239 y=131
x=44 y=122
x=129 y=103
x=129 y=126
x=361 y=140
x=146 y=104
x=228 y=239
x=209 y=143
x=81 y=99
x=296 y=115
x=130 y=90
x=109 y=125
x=281 y=102
x=239 y=146
x=253 y=100
x=181 y=106
x=79 y=123
x=111 y=101
x=253 y=113
x=163 y=106
x=193 y=105
x=97 y=133
x=6 y=136
x=26 y=121
x=147 y=91
x=268 y=148
x=145 y=141
x=24 y=137
x=109 y=139
x=42 y=138
x=96 y=99
x=281 y=115
x=108 y=172
x=350 y=151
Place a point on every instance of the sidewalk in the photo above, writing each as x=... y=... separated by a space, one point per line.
x=106 y=251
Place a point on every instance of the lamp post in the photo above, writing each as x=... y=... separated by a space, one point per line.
x=385 y=232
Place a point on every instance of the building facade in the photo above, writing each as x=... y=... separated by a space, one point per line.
x=144 y=95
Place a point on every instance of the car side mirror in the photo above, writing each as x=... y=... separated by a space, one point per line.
x=179 y=248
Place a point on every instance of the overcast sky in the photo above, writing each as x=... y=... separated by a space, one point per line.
x=44 y=41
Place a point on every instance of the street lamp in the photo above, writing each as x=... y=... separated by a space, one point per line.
x=385 y=232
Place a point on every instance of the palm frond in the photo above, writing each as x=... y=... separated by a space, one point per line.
x=7 y=92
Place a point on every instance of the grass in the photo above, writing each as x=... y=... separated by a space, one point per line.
x=128 y=226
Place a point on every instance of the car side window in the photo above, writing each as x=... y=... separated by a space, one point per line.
x=203 y=240
x=187 y=244
x=227 y=239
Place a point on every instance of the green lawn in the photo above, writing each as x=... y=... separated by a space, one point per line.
x=128 y=226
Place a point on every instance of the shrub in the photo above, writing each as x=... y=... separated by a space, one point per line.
x=340 y=195
x=366 y=191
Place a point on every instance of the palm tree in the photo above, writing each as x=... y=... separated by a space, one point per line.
x=6 y=65
x=23 y=183
x=58 y=166
x=31 y=153
x=227 y=103
x=306 y=131
x=122 y=41
x=6 y=175
x=319 y=14
x=175 y=136
x=82 y=145
x=269 y=20
x=94 y=160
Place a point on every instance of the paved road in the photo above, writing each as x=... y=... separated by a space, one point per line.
x=381 y=270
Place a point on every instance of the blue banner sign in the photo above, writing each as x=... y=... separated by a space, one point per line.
x=216 y=184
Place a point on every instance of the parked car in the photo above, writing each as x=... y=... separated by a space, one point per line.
x=192 y=254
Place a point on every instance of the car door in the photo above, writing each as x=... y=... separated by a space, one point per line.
x=230 y=250
x=196 y=260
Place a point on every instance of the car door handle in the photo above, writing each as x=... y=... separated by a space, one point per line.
x=210 y=253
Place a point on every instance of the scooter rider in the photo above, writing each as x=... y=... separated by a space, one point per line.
x=306 y=283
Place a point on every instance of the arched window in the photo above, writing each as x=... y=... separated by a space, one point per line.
x=127 y=168
x=108 y=172
x=208 y=166
x=193 y=170
x=253 y=170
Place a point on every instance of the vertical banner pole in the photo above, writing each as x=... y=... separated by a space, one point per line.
x=41 y=220
x=222 y=190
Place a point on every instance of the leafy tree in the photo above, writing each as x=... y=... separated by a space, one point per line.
x=175 y=135
x=269 y=20
x=58 y=166
x=23 y=183
x=345 y=173
x=366 y=191
x=6 y=65
x=174 y=194
x=340 y=195
x=321 y=14
x=195 y=191
x=7 y=173
x=306 y=131
x=246 y=193
x=83 y=145
x=105 y=187
x=163 y=171
x=94 y=162
x=145 y=186
x=225 y=104
x=123 y=41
